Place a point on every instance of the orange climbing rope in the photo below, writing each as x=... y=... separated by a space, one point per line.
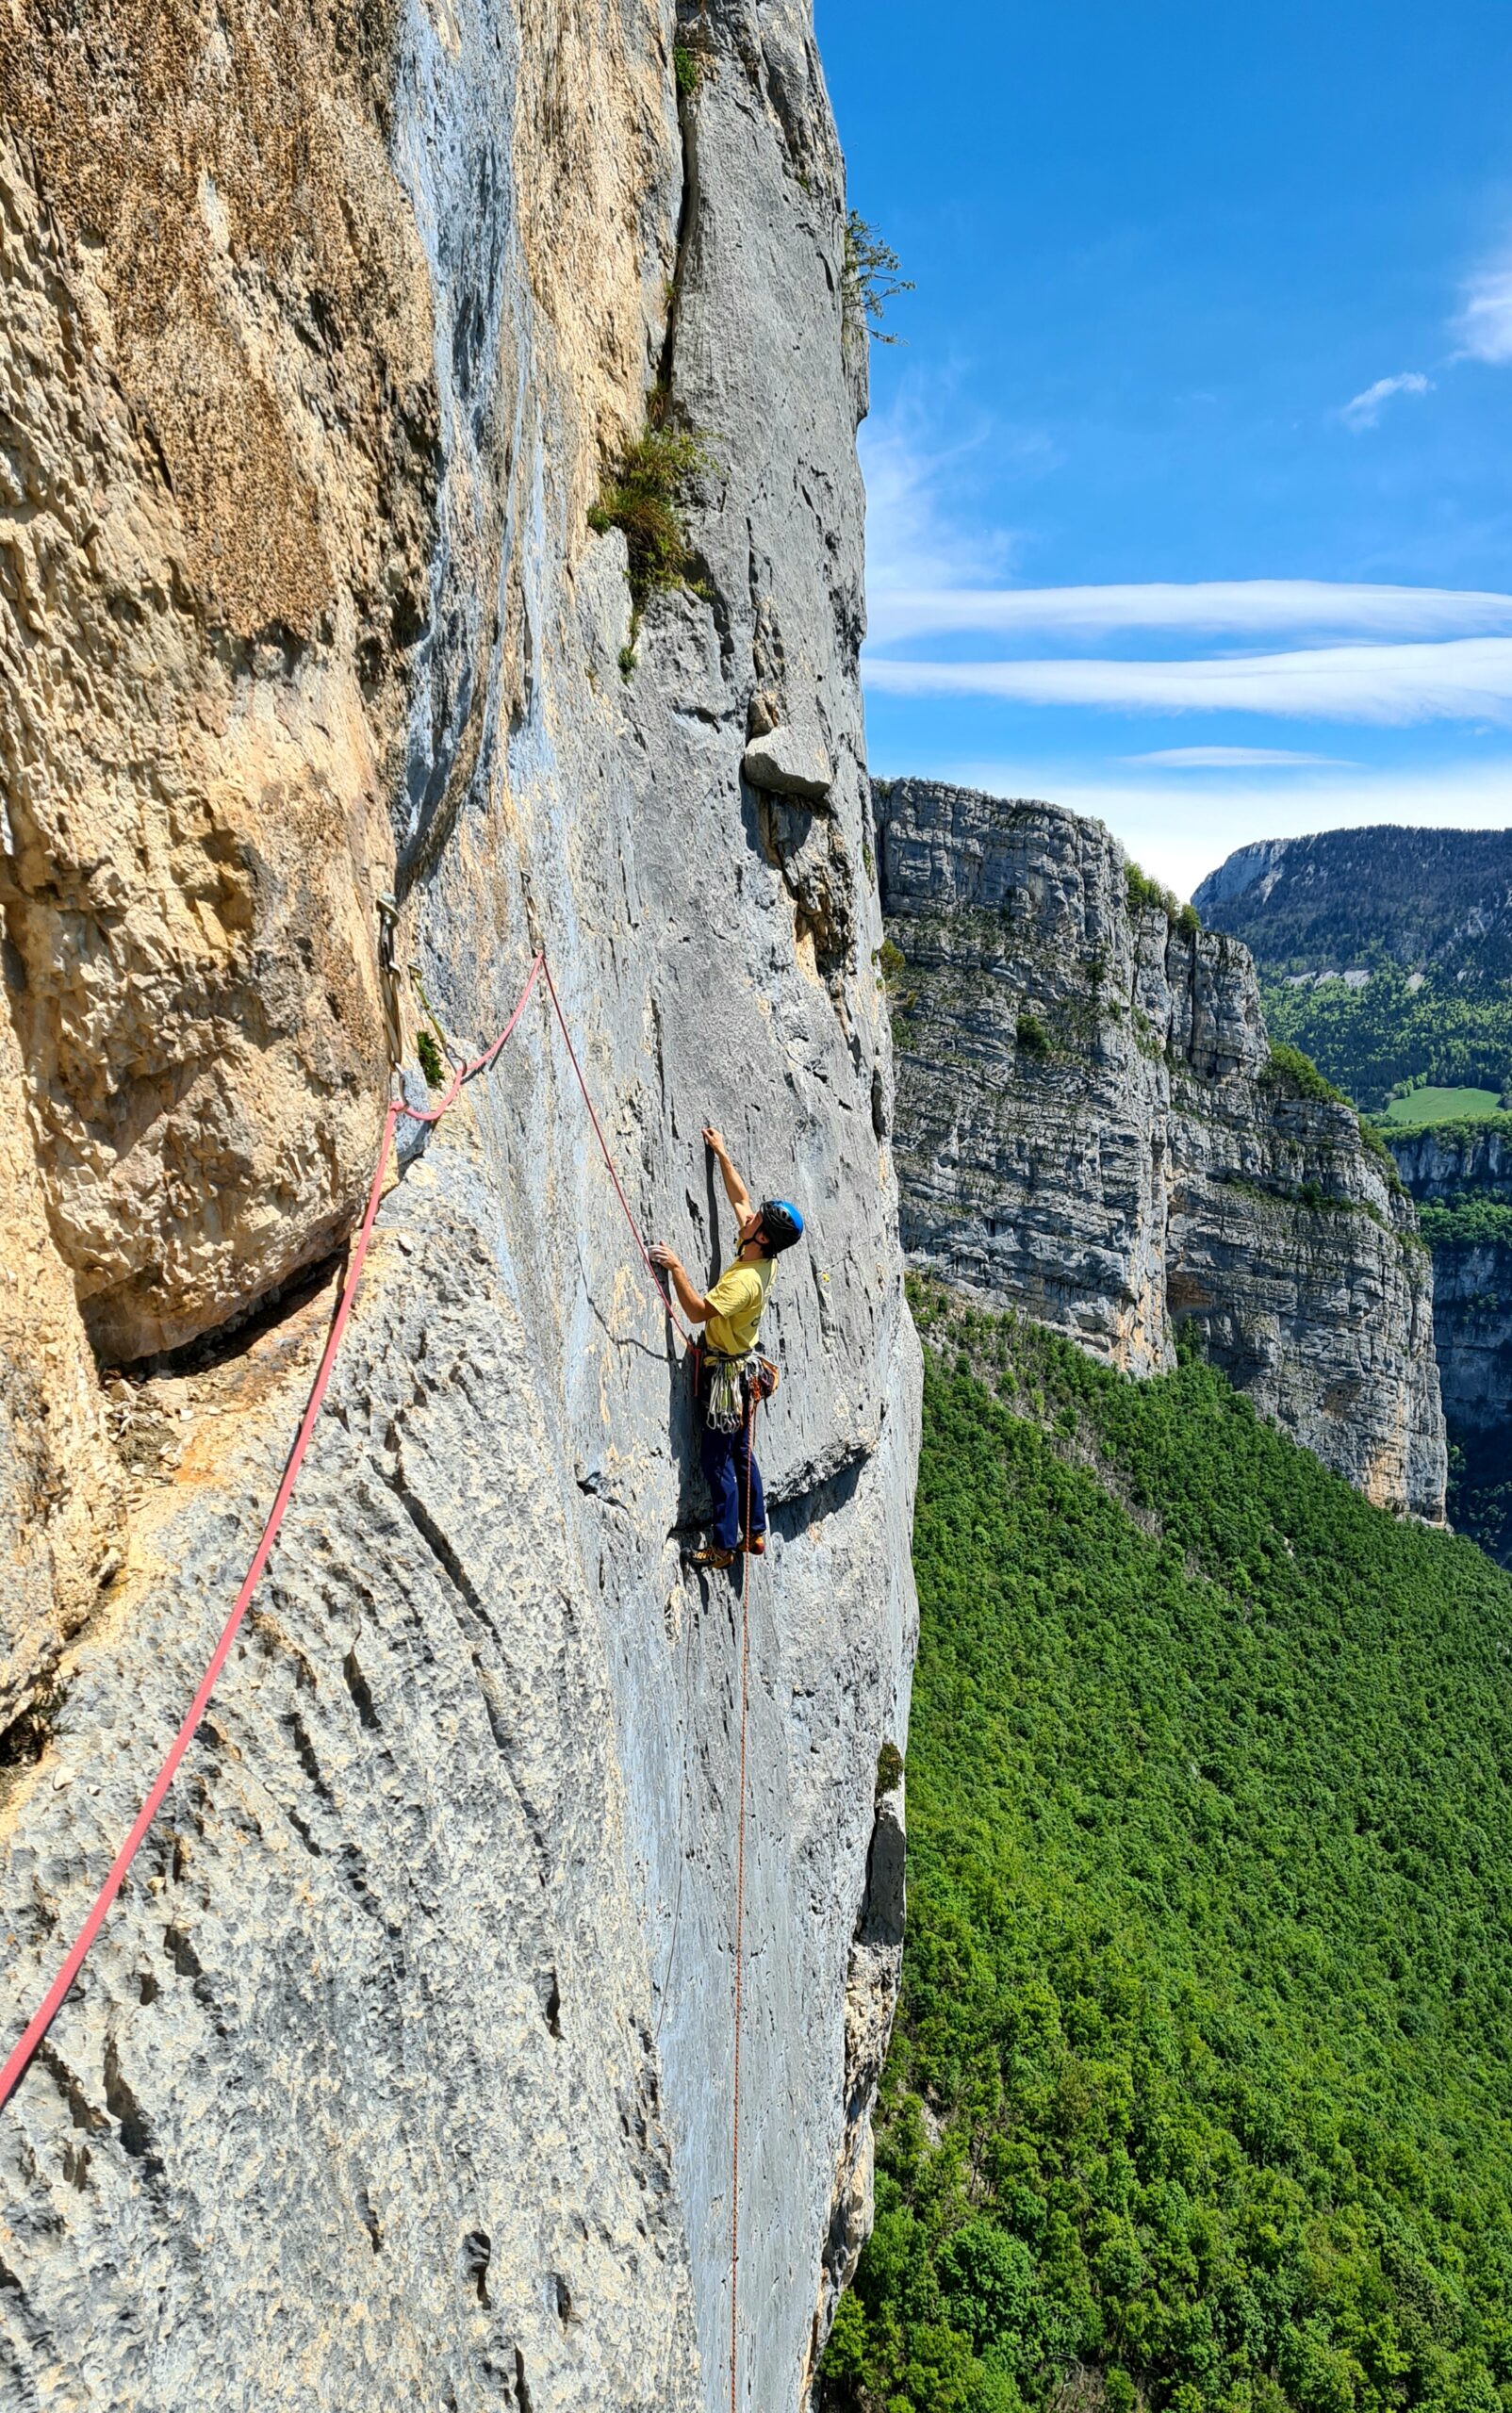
x=47 y=2010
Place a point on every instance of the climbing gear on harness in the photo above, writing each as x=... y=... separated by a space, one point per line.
x=21 y=2056
x=725 y=1408
x=782 y=1223
x=764 y=1377
x=388 y=979
x=730 y=1382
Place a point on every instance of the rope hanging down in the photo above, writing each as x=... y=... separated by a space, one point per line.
x=740 y=1919
x=47 y=2010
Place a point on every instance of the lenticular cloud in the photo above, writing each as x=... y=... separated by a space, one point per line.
x=1462 y=679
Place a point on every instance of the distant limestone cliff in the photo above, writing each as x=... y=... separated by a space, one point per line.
x=1094 y=1127
x=1429 y=899
x=1461 y=1173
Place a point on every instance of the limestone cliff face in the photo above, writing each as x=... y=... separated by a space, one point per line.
x=401 y=2070
x=1456 y=1172
x=1088 y=1128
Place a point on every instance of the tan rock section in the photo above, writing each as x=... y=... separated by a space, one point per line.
x=214 y=513
x=213 y=527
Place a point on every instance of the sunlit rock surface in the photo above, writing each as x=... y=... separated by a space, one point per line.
x=402 y=2071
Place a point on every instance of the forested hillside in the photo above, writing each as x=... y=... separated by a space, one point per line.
x=1385 y=954
x=1397 y=1027
x=1200 y=2096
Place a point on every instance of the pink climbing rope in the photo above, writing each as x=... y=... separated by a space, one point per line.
x=51 y=2001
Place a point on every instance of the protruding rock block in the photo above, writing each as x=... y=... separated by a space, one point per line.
x=788 y=762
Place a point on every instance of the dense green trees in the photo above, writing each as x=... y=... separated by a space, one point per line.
x=1201 y=2096
x=1450 y=1031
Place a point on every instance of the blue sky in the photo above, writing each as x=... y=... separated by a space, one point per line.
x=1199 y=446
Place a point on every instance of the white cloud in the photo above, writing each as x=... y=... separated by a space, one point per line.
x=914 y=539
x=1465 y=678
x=1255 y=607
x=1181 y=830
x=1235 y=757
x=1484 y=325
x=1366 y=408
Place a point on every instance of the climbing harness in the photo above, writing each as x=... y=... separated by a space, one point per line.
x=399 y=1110
x=725 y=1410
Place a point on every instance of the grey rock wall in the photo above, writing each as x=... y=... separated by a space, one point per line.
x=1453 y=1172
x=1088 y=1128
x=402 y=2072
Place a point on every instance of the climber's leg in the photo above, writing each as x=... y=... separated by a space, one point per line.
x=719 y=1470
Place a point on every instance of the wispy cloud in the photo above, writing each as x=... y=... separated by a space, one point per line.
x=1365 y=410
x=1244 y=607
x=914 y=538
x=1237 y=758
x=1466 y=678
x=1484 y=325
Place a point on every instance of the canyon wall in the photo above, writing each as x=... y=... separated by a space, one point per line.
x=1460 y=1175
x=1427 y=900
x=1090 y=1126
x=402 y=2067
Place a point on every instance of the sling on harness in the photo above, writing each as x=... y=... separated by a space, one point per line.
x=730 y=1383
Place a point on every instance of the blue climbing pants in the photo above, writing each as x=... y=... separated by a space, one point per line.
x=726 y=1457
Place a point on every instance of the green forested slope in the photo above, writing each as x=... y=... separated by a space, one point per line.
x=1454 y=1032
x=1201 y=2095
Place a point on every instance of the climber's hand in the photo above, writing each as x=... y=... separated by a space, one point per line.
x=691 y=1300
x=735 y=1189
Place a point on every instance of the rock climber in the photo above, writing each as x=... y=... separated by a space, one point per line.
x=729 y=1379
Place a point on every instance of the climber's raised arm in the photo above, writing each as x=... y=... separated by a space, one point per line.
x=735 y=1189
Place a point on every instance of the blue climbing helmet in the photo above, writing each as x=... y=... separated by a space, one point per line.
x=781 y=1224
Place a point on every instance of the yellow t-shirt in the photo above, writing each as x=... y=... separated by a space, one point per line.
x=735 y=1305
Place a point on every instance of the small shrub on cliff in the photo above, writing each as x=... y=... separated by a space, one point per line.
x=1296 y=1075
x=889 y=1769
x=1146 y=895
x=644 y=500
x=1031 y=1035
x=430 y=1056
x=689 y=67
x=871 y=278
x=1189 y=921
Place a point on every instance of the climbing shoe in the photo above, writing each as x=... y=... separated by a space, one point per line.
x=755 y=1546
x=710 y=1555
